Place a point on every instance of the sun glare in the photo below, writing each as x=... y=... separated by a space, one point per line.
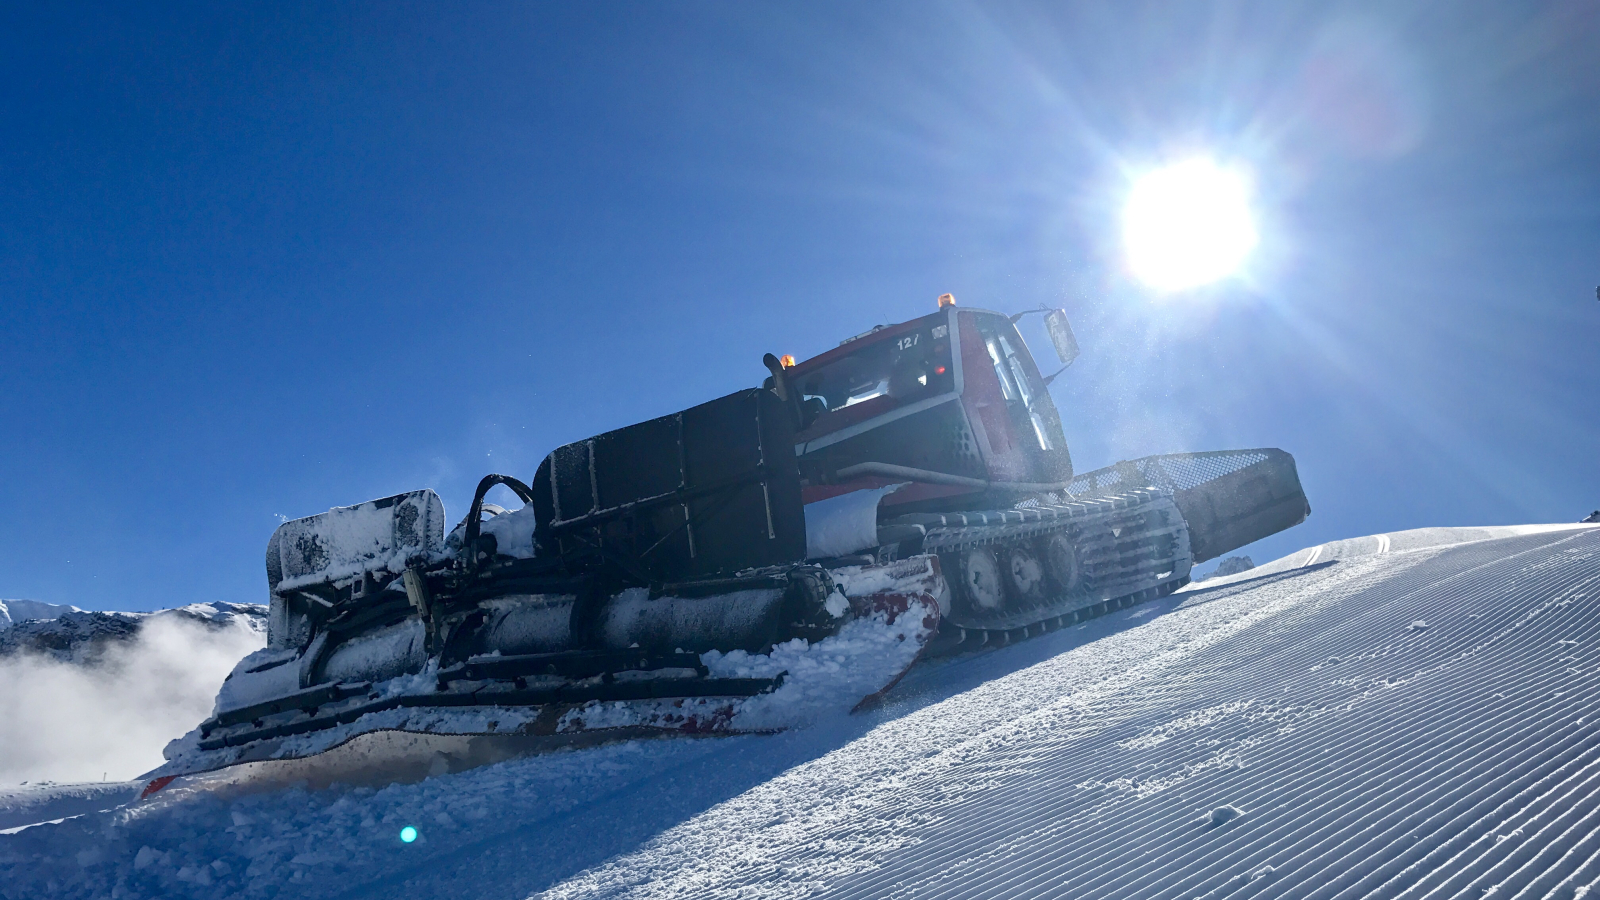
x=1187 y=225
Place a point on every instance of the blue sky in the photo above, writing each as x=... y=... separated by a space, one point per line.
x=257 y=262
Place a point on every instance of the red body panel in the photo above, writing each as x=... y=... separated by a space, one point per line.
x=880 y=428
x=848 y=347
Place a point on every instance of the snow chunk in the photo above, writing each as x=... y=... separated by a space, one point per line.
x=1222 y=815
x=513 y=532
x=1233 y=565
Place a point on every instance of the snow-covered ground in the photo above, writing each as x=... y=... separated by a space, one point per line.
x=1415 y=713
x=29 y=804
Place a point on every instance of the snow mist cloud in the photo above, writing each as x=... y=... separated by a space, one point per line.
x=70 y=722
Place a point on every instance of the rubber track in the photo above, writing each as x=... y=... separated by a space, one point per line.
x=1125 y=568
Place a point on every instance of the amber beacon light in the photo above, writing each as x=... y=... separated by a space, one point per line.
x=947 y=300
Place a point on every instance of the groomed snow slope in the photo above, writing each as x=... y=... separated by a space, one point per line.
x=1373 y=718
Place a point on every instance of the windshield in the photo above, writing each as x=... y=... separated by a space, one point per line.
x=910 y=365
x=1016 y=381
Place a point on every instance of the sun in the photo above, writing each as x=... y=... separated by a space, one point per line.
x=1187 y=225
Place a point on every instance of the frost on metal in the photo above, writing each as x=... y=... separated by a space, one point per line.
x=346 y=541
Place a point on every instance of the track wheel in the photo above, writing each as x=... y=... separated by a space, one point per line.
x=980 y=580
x=1061 y=564
x=1024 y=574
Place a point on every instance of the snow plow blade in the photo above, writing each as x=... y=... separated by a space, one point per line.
x=652 y=584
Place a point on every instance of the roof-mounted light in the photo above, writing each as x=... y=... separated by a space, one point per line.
x=947 y=300
x=786 y=360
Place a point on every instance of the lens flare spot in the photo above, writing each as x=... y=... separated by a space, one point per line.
x=408 y=834
x=1187 y=225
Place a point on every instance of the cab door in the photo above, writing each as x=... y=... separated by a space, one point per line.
x=1007 y=396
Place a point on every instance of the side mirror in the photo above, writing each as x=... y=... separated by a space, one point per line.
x=1060 y=330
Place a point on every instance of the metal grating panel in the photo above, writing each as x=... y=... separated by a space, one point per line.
x=1173 y=471
x=1182 y=471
